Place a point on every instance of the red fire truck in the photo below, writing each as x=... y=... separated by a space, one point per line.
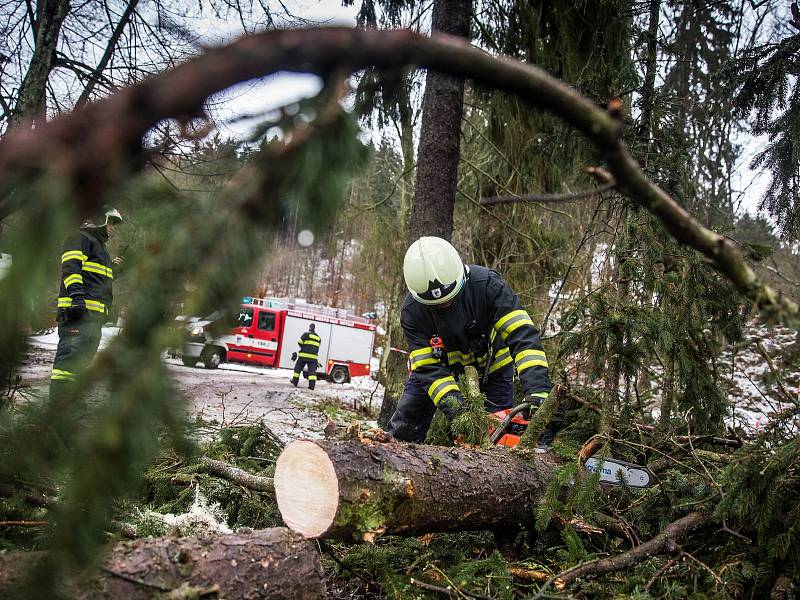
x=267 y=331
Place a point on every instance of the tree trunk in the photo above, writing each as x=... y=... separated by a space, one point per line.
x=355 y=490
x=437 y=169
x=440 y=134
x=50 y=15
x=270 y=563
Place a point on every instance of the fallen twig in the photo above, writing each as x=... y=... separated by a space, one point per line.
x=237 y=475
x=23 y=523
x=664 y=542
x=450 y=590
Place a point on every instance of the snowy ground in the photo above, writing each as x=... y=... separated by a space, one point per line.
x=235 y=394
x=238 y=394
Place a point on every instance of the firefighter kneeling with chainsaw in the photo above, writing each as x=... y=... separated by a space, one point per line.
x=457 y=316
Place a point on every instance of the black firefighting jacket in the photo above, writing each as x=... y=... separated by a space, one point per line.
x=309 y=345
x=86 y=271
x=485 y=326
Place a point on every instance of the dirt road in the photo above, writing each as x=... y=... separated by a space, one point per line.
x=238 y=394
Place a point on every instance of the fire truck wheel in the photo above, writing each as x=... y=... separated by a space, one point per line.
x=188 y=361
x=212 y=358
x=339 y=375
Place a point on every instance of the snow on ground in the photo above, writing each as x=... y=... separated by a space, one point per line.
x=756 y=393
x=203 y=517
x=236 y=394
x=746 y=377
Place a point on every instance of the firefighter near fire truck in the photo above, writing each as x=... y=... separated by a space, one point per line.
x=456 y=316
x=307 y=357
x=84 y=298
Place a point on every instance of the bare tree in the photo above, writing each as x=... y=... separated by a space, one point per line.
x=56 y=54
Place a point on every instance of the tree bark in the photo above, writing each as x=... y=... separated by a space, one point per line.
x=437 y=169
x=269 y=563
x=440 y=134
x=50 y=15
x=355 y=490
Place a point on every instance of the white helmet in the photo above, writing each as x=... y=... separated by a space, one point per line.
x=433 y=271
x=102 y=218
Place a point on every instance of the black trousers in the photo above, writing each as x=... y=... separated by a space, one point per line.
x=412 y=418
x=311 y=364
x=78 y=340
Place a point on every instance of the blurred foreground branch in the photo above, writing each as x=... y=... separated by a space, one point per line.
x=91 y=147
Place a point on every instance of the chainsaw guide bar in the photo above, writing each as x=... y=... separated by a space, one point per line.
x=614 y=472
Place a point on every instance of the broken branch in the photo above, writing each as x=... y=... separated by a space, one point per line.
x=664 y=542
x=237 y=475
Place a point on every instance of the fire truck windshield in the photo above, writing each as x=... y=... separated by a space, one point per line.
x=245 y=317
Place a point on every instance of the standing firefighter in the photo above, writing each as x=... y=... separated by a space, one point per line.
x=457 y=316
x=309 y=349
x=84 y=298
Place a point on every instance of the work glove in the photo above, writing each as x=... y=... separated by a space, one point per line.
x=451 y=406
x=78 y=308
x=294 y=355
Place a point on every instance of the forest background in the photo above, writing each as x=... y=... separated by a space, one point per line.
x=636 y=324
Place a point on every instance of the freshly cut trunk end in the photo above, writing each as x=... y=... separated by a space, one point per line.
x=306 y=488
x=359 y=490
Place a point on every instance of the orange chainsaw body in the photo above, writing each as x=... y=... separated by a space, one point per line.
x=514 y=430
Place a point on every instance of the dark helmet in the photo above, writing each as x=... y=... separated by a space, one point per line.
x=311 y=327
x=107 y=214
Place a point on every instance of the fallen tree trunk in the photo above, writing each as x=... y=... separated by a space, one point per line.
x=355 y=490
x=269 y=563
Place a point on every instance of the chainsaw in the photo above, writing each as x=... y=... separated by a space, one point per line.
x=512 y=423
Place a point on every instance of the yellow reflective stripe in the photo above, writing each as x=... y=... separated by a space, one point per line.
x=501 y=359
x=312 y=377
x=93 y=267
x=422 y=362
x=311 y=343
x=444 y=391
x=456 y=356
x=61 y=374
x=507 y=317
x=306 y=355
x=512 y=321
x=73 y=255
x=95 y=306
x=314 y=336
x=530 y=358
x=525 y=353
x=421 y=357
x=500 y=364
x=64 y=302
x=75 y=278
x=440 y=387
x=542 y=395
